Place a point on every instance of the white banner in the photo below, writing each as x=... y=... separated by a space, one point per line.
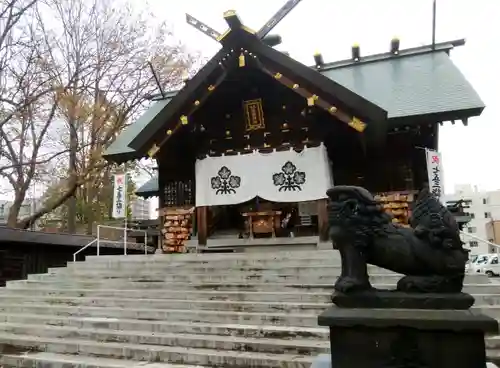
x=287 y=176
x=120 y=196
x=435 y=173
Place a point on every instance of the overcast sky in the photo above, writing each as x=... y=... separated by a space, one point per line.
x=470 y=154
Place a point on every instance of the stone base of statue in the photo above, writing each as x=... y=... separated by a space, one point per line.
x=371 y=337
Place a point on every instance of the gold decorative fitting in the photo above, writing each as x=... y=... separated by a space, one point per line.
x=332 y=109
x=254 y=115
x=169 y=132
x=295 y=86
x=184 y=120
x=211 y=87
x=228 y=133
x=278 y=75
x=229 y=13
x=311 y=100
x=197 y=103
x=221 y=37
x=242 y=60
x=247 y=29
x=153 y=151
x=266 y=145
x=357 y=124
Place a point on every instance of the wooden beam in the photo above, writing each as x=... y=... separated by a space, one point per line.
x=202 y=224
x=277 y=17
x=323 y=227
x=184 y=119
x=202 y=27
x=314 y=100
x=232 y=20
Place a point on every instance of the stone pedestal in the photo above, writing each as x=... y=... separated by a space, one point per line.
x=407 y=338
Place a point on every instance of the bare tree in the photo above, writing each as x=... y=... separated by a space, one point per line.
x=95 y=58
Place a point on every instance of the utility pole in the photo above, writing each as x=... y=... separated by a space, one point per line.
x=433 y=24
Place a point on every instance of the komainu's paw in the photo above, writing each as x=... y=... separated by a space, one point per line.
x=350 y=284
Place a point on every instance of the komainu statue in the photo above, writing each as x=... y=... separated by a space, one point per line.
x=430 y=253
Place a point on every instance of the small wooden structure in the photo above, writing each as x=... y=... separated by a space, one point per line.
x=25 y=252
x=372 y=115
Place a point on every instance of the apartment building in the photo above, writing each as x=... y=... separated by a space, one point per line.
x=484 y=208
x=28 y=207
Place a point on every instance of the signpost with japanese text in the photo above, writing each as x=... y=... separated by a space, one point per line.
x=120 y=196
x=435 y=173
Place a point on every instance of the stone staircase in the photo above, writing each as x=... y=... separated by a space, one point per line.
x=212 y=310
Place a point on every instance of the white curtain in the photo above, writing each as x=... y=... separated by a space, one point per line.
x=224 y=180
x=287 y=176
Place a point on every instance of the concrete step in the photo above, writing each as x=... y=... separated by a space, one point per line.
x=229 y=277
x=134 y=303
x=271 y=262
x=320 y=294
x=207 y=286
x=162 y=294
x=166 y=270
x=278 y=255
x=283 y=318
x=177 y=327
x=52 y=360
x=165 y=294
x=208 y=316
x=489 y=310
x=264 y=345
x=493 y=342
x=248 y=302
x=157 y=353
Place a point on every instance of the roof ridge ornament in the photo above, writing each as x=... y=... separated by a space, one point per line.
x=234 y=22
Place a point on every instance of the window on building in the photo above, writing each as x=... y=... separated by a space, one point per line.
x=473 y=244
x=472 y=215
x=485 y=200
x=487 y=214
x=472 y=229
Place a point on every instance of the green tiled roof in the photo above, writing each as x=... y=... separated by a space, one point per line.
x=149 y=189
x=412 y=85
x=119 y=151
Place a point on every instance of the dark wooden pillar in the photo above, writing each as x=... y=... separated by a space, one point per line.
x=323 y=227
x=202 y=225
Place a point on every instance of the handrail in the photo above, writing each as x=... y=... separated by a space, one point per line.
x=83 y=248
x=480 y=239
x=125 y=229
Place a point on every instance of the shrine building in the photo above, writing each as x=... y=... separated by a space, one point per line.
x=251 y=143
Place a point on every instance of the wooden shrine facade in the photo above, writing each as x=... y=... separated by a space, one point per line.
x=252 y=98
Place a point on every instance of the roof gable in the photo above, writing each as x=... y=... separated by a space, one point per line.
x=218 y=67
